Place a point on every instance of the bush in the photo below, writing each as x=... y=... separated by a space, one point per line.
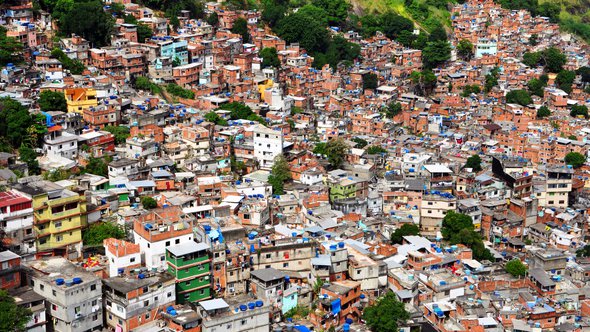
x=516 y=268
x=148 y=203
x=179 y=91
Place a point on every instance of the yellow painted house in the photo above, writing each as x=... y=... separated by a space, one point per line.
x=59 y=216
x=80 y=99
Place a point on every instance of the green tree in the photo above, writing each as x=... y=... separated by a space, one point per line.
x=57 y=175
x=28 y=156
x=96 y=233
x=516 y=268
x=438 y=34
x=583 y=252
x=121 y=133
x=360 y=143
x=474 y=162
x=215 y=118
x=453 y=223
x=375 y=149
x=536 y=87
x=584 y=73
x=179 y=91
x=436 y=53
x=392 y=109
x=370 y=81
x=386 y=314
x=336 y=150
x=320 y=148
x=534 y=39
x=12 y=316
x=578 y=110
x=10 y=48
x=317 y=13
x=575 y=159
x=565 y=79
x=240 y=27
x=551 y=10
x=50 y=101
x=89 y=20
x=14 y=121
x=470 y=89
x=148 y=203
x=302 y=29
x=213 y=19
x=406 y=229
x=492 y=79
x=336 y=10
x=531 y=59
x=270 y=58
x=543 y=112
x=520 y=97
x=96 y=166
x=465 y=49
x=553 y=60
x=143 y=32
x=74 y=66
x=279 y=174
x=273 y=13
x=393 y=24
x=424 y=81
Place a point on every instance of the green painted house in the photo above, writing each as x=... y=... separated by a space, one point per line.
x=190 y=264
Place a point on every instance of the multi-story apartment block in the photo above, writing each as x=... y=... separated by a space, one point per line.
x=158 y=230
x=190 y=264
x=16 y=220
x=136 y=300
x=433 y=210
x=268 y=144
x=59 y=215
x=74 y=296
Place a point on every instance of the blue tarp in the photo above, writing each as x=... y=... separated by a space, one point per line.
x=301 y=328
x=336 y=306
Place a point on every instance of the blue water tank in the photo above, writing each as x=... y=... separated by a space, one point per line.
x=69 y=283
x=259 y=304
x=243 y=307
x=251 y=305
x=59 y=281
x=349 y=321
x=141 y=276
x=77 y=280
x=341 y=245
x=362 y=296
x=346 y=327
x=287 y=279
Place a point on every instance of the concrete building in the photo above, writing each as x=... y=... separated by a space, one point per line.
x=268 y=144
x=432 y=212
x=558 y=186
x=217 y=315
x=74 y=296
x=27 y=298
x=136 y=300
x=59 y=217
x=190 y=264
x=16 y=220
x=159 y=229
x=123 y=256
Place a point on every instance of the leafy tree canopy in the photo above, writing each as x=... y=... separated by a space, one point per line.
x=279 y=174
x=516 y=268
x=575 y=159
x=543 y=112
x=12 y=316
x=50 y=101
x=406 y=229
x=474 y=162
x=98 y=232
x=386 y=314
x=520 y=97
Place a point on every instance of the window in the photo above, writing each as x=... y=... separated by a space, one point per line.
x=285 y=264
x=146 y=303
x=59 y=238
x=167 y=243
x=54 y=292
x=132 y=259
x=53 y=307
x=58 y=224
x=169 y=294
x=92 y=287
x=42 y=287
x=177 y=241
x=145 y=289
